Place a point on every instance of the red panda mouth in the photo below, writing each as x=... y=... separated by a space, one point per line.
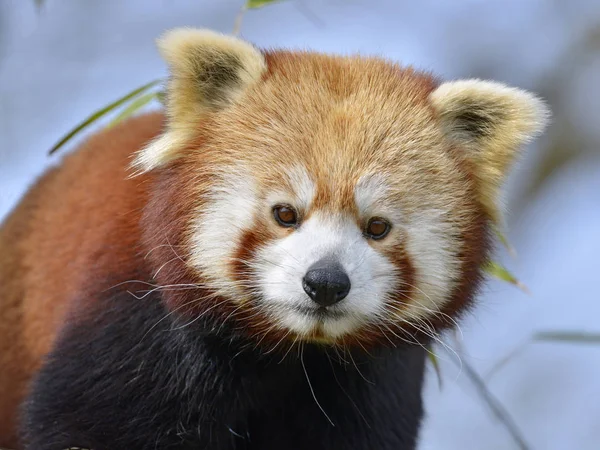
x=320 y=313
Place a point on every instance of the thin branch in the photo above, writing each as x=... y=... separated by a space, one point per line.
x=492 y=403
x=237 y=26
x=303 y=9
x=506 y=359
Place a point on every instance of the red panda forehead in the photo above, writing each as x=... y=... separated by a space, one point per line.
x=348 y=91
x=342 y=75
x=328 y=111
x=339 y=120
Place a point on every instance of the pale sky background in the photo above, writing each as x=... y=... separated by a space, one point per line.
x=76 y=56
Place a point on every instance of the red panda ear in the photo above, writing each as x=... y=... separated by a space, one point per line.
x=491 y=122
x=208 y=72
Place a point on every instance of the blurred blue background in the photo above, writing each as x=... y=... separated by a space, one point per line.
x=70 y=58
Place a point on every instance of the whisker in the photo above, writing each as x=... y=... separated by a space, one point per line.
x=157 y=247
x=168 y=287
x=340 y=358
x=258 y=263
x=416 y=304
x=357 y=369
x=310 y=386
x=128 y=281
x=346 y=393
x=165 y=264
x=199 y=316
x=279 y=342
x=167 y=315
x=289 y=349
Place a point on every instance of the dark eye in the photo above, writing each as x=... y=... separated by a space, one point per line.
x=285 y=216
x=377 y=229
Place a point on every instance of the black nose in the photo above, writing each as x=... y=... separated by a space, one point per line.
x=326 y=282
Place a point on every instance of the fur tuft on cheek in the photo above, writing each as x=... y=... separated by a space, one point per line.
x=219 y=231
x=432 y=246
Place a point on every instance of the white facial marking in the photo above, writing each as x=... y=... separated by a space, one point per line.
x=303 y=190
x=370 y=195
x=282 y=264
x=433 y=253
x=219 y=225
x=369 y=192
x=304 y=186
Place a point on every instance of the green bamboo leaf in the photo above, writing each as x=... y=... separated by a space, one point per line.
x=500 y=272
x=504 y=241
x=253 y=4
x=100 y=113
x=577 y=337
x=134 y=106
x=161 y=96
x=436 y=365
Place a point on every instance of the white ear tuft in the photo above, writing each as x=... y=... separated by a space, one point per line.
x=491 y=122
x=208 y=72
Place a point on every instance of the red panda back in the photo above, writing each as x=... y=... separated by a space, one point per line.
x=80 y=218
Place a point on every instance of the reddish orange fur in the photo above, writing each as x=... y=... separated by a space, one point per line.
x=85 y=222
x=77 y=224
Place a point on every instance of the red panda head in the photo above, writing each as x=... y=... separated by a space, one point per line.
x=324 y=198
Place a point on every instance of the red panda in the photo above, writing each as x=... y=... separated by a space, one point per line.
x=262 y=265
